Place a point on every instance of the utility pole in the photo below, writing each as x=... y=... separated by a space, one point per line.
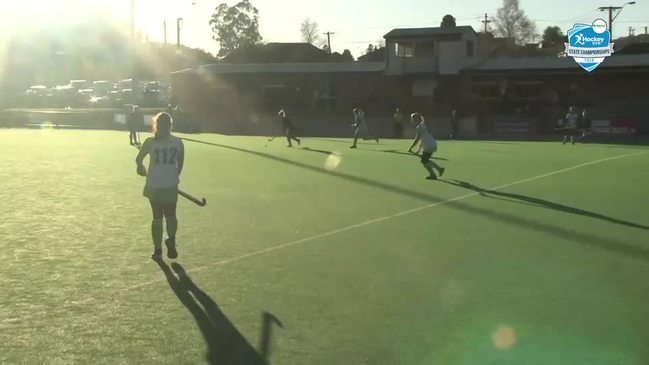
x=164 y=25
x=631 y=31
x=486 y=22
x=328 y=34
x=178 y=20
x=645 y=30
x=613 y=12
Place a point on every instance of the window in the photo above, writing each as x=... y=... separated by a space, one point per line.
x=405 y=49
x=425 y=49
x=469 y=48
x=485 y=90
x=527 y=90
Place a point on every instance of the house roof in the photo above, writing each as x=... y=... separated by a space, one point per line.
x=378 y=55
x=278 y=53
x=637 y=48
x=432 y=31
x=248 y=68
x=554 y=63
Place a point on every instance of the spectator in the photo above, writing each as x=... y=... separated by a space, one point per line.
x=399 y=120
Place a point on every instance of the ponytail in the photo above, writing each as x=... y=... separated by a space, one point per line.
x=161 y=126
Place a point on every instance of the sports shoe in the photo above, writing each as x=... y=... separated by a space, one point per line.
x=352 y=147
x=431 y=177
x=171 y=248
x=377 y=140
x=299 y=142
x=157 y=254
x=441 y=171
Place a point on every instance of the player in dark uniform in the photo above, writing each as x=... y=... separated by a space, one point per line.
x=399 y=121
x=288 y=127
x=133 y=122
x=584 y=125
x=455 y=127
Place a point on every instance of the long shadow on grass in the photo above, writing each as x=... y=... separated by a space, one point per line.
x=541 y=203
x=397 y=152
x=349 y=143
x=226 y=345
x=492 y=142
x=455 y=203
x=324 y=152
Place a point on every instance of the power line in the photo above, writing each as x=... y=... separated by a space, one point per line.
x=613 y=12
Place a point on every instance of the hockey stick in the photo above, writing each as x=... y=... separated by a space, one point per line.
x=271 y=139
x=200 y=203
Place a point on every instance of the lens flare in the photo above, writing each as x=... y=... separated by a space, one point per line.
x=504 y=337
x=332 y=161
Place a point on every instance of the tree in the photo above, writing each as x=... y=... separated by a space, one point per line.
x=369 y=49
x=511 y=22
x=552 y=36
x=235 y=27
x=309 y=32
x=448 y=21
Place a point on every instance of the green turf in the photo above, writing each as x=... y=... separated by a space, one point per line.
x=561 y=262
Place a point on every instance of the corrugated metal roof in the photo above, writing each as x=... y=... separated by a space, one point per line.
x=233 y=68
x=421 y=32
x=555 y=63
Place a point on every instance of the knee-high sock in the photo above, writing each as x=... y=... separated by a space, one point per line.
x=156 y=232
x=172 y=227
x=429 y=166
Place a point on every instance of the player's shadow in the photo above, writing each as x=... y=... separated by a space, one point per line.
x=493 y=142
x=529 y=200
x=603 y=243
x=226 y=345
x=397 y=152
x=324 y=152
x=344 y=142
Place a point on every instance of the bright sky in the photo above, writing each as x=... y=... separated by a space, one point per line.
x=356 y=23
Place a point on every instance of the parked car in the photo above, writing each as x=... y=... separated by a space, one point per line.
x=102 y=87
x=83 y=98
x=79 y=84
x=64 y=96
x=36 y=96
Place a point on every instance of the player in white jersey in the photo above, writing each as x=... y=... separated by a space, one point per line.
x=428 y=144
x=361 y=127
x=166 y=158
x=570 y=126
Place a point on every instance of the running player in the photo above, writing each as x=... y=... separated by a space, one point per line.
x=361 y=127
x=288 y=127
x=428 y=144
x=570 y=126
x=166 y=159
x=584 y=125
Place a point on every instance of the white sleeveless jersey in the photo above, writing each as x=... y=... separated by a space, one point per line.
x=427 y=140
x=571 y=120
x=163 y=161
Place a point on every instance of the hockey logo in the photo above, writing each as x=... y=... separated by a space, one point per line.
x=590 y=44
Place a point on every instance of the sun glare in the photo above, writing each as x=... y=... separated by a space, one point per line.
x=23 y=15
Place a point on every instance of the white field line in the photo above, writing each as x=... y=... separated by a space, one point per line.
x=9 y=321
x=377 y=220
